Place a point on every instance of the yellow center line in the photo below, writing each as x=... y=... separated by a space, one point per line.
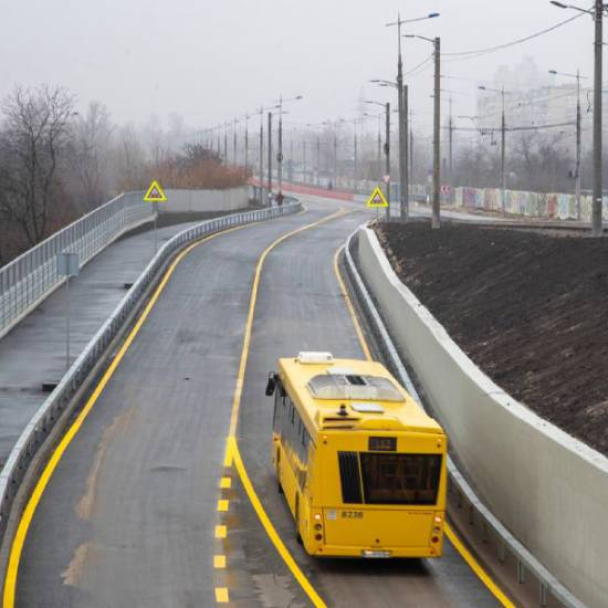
x=221 y=595
x=232 y=450
x=468 y=557
x=221 y=531
x=225 y=483
x=219 y=561
x=222 y=505
x=10 y=583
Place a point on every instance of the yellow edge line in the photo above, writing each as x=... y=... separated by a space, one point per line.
x=477 y=568
x=269 y=527
x=483 y=576
x=10 y=584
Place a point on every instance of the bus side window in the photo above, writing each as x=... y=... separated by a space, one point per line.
x=279 y=404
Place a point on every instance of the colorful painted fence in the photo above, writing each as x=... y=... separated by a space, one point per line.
x=529 y=204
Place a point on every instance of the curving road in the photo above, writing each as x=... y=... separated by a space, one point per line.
x=129 y=517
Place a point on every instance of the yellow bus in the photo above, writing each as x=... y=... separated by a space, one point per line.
x=362 y=466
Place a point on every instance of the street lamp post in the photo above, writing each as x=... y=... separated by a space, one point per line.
x=503 y=128
x=598 y=16
x=270 y=156
x=387 y=153
x=436 y=207
x=402 y=120
x=577 y=171
x=280 y=152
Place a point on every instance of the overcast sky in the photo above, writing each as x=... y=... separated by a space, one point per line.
x=211 y=61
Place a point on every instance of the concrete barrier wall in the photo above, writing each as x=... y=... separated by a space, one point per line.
x=547 y=488
x=193 y=201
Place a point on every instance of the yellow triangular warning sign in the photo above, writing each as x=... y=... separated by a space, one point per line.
x=377 y=199
x=155 y=194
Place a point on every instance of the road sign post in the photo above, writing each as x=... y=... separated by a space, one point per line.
x=68 y=266
x=377 y=201
x=155 y=195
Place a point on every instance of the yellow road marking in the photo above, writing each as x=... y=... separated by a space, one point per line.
x=225 y=483
x=222 y=506
x=271 y=531
x=483 y=576
x=10 y=583
x=221 y=531
x=219 y=561
x=221 y=595
x=477 y=568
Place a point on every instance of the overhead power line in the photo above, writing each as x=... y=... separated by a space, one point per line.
x=499 y=47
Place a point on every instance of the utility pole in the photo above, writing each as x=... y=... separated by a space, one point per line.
x=578 y=145
x=270 y=157
x=246 y=140
x=411 y=155
x=450 y=143
x=280 y=152
x=335 y=160
x=596 y=224
x=405 y=180
x=226 y=142
x=435 y=219
x=234 y=154
x=387 y=151
x=262 y=149
x=503 y=179
x=403 y=204
x=304 y=160
x=356 y=169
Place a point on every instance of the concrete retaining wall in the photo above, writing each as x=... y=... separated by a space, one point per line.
x=193 y=201
x=547 y=488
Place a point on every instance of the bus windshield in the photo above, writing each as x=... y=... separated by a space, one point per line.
x=400 y=478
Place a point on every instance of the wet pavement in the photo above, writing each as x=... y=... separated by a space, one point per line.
x=34 y=352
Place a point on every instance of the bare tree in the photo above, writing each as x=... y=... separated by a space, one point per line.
x=33 y=145
x=92 y=133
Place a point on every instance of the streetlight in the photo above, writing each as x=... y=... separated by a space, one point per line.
x=598 y=15
x=501 y=92
x=387 y=152
x=403 y=117
x=436 y=42
x=280 y=152
x=577 y=173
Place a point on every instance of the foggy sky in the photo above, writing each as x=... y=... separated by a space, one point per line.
x=211 y=61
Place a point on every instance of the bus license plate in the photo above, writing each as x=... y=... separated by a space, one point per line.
x=376 y=554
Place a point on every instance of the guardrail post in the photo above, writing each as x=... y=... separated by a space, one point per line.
x=543 y=600
x=521 y=572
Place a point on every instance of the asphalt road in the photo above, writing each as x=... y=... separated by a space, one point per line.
x=128 y=518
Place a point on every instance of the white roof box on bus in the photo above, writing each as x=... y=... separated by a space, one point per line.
x=314 y=357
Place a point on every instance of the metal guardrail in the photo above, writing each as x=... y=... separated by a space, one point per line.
x=45 y=418
x=28 y=279
x=548 y=585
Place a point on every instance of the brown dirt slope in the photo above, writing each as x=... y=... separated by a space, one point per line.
x=529 y=308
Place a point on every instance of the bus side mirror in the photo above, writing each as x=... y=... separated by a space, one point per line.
x=272 y=383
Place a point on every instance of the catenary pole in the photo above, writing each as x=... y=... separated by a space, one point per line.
x=596 y=224
x=435 y=219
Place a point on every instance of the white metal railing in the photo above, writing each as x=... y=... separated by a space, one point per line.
x=31 y=277
x=50 y=411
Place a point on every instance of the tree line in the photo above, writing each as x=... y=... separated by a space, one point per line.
x=57 y=164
